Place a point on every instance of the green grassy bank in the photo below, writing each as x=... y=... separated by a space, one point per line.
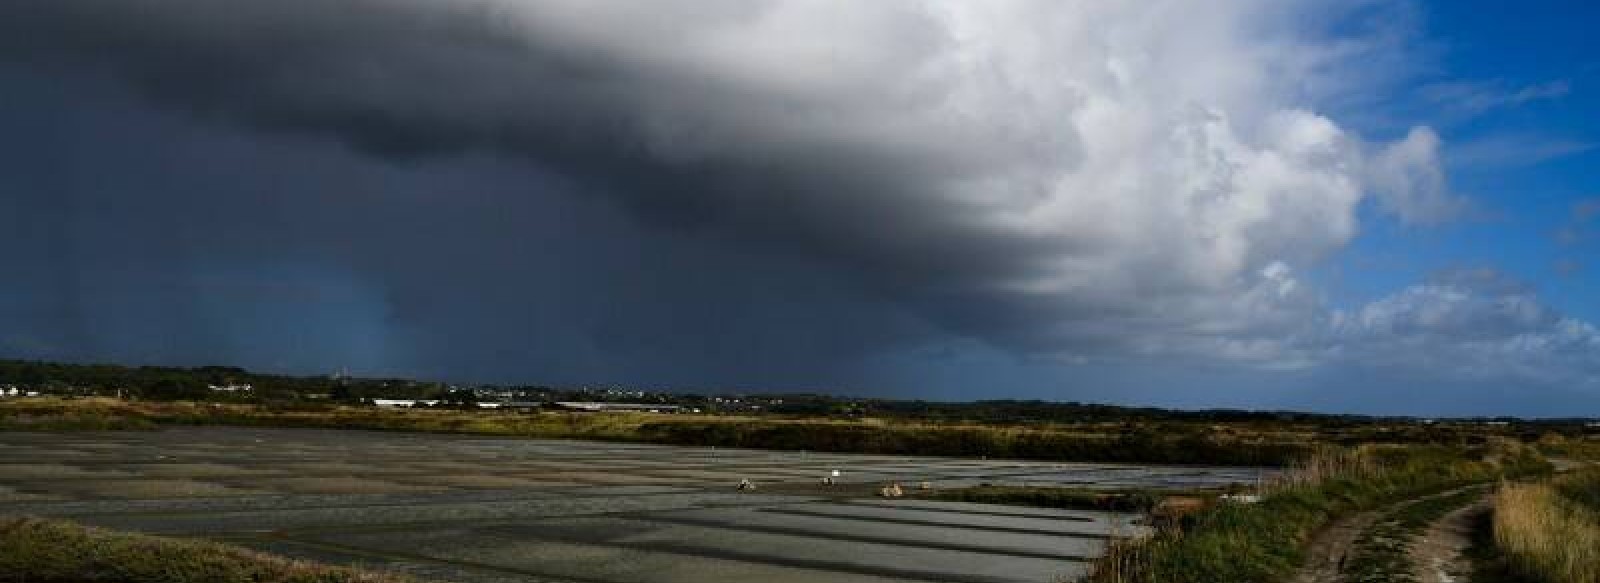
x=36 y=550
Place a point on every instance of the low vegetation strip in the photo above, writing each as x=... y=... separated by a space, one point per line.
x=72 y=421
x=1550 y=532
x=1381 y=553
x=1262 y=542
x=1071 y=498
x=34 y=550
x=1176 y=444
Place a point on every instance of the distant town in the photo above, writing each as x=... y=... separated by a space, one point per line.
x=22 y=379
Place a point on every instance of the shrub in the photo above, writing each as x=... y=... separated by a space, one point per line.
x=1582 y=486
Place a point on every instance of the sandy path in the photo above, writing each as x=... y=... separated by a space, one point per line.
x=1329 y=547
x=1437 y=556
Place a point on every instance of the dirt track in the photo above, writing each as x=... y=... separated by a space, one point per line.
x=1328 y=548
x=1436 y=554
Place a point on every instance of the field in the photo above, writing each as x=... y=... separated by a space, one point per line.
x=467 y=508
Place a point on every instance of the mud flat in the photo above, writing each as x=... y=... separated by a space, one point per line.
x=478 y=510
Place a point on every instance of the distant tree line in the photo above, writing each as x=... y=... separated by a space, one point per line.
x=1023 y=411
x=194 y=383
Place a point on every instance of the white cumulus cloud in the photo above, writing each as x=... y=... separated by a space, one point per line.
x=1476 y=328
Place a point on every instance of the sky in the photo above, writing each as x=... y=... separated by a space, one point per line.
x=1369 y=206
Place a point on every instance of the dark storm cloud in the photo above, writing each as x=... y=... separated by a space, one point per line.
x=858 y=166
x=292 y=254
x=810 y=193
x=408 y=79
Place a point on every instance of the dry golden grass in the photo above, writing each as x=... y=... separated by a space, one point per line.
x=1324 y=464
x=1545 y=536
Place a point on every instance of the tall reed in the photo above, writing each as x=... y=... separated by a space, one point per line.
x=1545 y=536
x=1325 y=463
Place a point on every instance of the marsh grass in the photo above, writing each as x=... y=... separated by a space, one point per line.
x=34 y=550
x=1572 y=447
x=1324 y=464
x=1545 y=534
x=1581 y=486
x=71 y=421
x=1176 y=445
x=1262 y=542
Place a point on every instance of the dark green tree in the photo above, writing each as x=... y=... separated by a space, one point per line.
x=177 y=388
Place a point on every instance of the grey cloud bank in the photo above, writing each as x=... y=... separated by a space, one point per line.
x=1074 y=183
